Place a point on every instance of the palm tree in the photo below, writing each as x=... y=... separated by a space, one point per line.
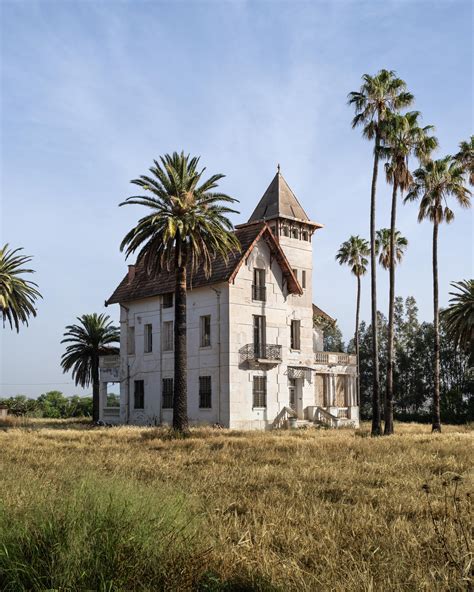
x=402 y=137
x=354 y=252
x=378 y=97
x=433 y=184
x=459 y=316
x=17 y=295
x=383 y=245
x=91 y=338
x=186 y=229
x=465 y=157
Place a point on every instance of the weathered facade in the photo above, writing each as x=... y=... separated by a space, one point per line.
x=255 y=359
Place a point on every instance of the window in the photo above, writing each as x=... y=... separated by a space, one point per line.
x=206 y=331
x=292 y=392
x=294 y=233
x=286 y=231
x=259 y=335
x=305 y=235
x=139 y=394
x=148 y=338
x=168 y=336
x=259 y=289
x=303 y=279
x=295 y=271
x=259 y=391
x=167 y=393
x=167 y=300
x=131 y=341
x=205 y=393
x=295 y=334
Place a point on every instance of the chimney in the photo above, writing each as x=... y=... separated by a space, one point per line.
x=131 y=273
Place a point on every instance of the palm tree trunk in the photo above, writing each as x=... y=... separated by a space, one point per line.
x=357 y=341
x=373 y=286
x=180 y=401
x=95 y=390
x=436 y=427
x=388 y=429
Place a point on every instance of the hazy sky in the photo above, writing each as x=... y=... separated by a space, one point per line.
x=93 y=91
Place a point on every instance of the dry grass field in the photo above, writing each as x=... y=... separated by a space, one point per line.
x=131 y=509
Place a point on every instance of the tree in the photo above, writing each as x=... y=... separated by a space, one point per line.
x=186 y=229
x=93 y=337
x=53 y=404
x=378 y=97
x=353 y=252
x=17 y=295
x=388 y=241
x=459 y=316
x=434 y=183
x=465 y=157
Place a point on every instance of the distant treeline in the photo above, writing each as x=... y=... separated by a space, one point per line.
x=54 y=405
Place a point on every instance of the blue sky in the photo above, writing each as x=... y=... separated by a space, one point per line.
x=93 y=91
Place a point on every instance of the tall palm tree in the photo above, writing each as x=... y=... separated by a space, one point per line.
x=354 y=252
x=402 y=137
x=94 y=336
x=459 y=316
x=465 y=157
x=434 y=183
x=186 y=229
x=17 y=295
x=386 y=242
x=378 y=96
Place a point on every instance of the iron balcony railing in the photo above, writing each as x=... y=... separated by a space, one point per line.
x=259 y=293
x=261 y=353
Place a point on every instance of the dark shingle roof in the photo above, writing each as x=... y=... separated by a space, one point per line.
x=319 y=312
x=145 y=286
x=279 y=201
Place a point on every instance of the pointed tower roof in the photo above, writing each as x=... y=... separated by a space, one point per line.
x=279 y=201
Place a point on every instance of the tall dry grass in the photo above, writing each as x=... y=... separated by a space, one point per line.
x=130 y=509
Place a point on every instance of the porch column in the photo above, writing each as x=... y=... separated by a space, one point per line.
x=333 y=389
x=102 y=398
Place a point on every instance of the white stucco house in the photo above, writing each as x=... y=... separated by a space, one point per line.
x=255 y=359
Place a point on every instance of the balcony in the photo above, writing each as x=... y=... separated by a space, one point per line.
x=259 y=293
x=335 y=359
x=260 y=355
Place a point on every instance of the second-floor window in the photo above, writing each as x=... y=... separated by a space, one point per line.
x=259 y=289
x=259 y=335
x=139 y=394
x=295 y=335
x=167 y=393
x=148 y=338
x=168 y=336
x=131 y=341
x=167 y=300
x=303 y=279
x=205 y=331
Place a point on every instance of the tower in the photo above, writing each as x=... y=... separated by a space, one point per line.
x=293 y=229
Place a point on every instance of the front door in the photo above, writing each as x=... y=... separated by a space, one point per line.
x=295 y=395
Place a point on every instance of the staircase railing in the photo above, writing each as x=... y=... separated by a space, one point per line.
x=281 y=420
x=322 y=416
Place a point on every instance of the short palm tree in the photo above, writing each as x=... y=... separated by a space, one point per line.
x=459 y=316
x=354 y=252
x=434 y=183
x=93 y=336
x=17 y=295
x=465 y=157
x=386 y=242
x=187 y=228
x=378 y=97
